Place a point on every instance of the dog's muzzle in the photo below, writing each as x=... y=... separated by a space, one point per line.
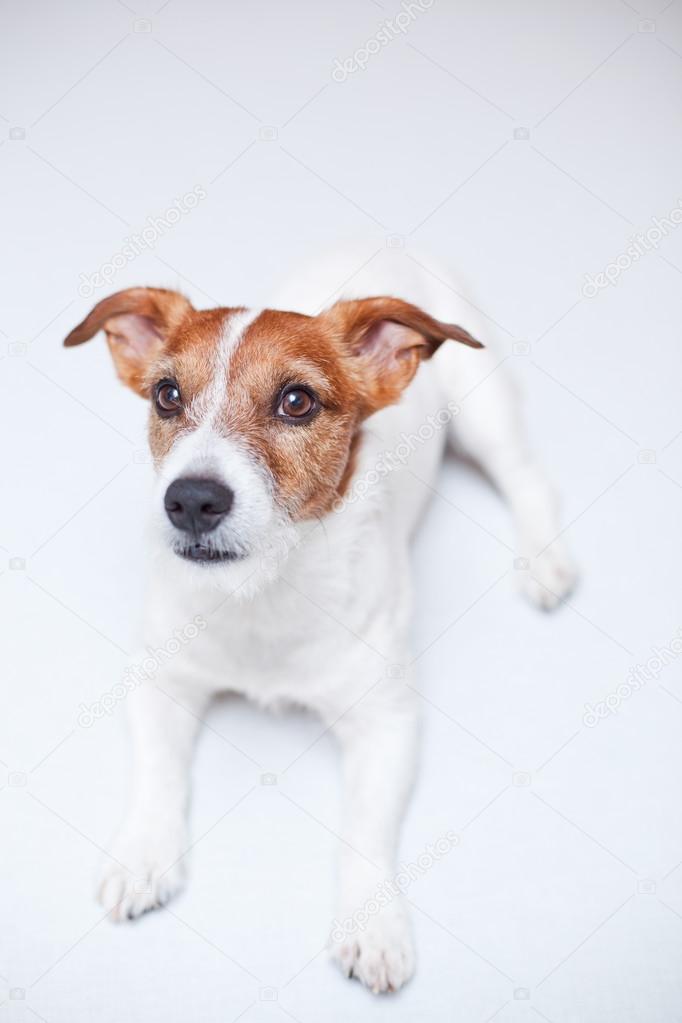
x=196 y=506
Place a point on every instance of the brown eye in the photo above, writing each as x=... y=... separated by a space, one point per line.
x=297 y=403
x=167 y=398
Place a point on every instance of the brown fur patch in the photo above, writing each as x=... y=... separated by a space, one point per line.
x=188 y=358
x=355 y=358
x=308 y=460
x=137 y=323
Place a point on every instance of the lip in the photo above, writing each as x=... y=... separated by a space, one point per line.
x=203 y=555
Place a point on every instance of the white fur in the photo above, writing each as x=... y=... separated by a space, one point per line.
x=317 y=614
x=206 y=407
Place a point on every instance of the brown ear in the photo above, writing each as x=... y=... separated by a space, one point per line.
x=137 y=323
x=389 y=338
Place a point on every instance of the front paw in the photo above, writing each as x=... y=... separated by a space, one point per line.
x=379 y=952
x=148 y=872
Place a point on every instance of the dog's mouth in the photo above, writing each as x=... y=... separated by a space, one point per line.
x=204 y=555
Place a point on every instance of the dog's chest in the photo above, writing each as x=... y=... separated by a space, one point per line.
x=297 y=642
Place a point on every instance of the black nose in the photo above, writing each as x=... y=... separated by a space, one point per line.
x=197 y=505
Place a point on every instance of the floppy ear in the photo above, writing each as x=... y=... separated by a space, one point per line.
x=389 y=338
x=137 y=323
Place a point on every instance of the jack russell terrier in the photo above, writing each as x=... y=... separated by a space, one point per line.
x=277 y=498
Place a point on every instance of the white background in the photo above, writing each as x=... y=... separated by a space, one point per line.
x=563 y=901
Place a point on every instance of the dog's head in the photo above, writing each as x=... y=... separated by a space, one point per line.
x=255 y=415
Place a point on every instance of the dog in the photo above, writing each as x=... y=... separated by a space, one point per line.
x=293 y=448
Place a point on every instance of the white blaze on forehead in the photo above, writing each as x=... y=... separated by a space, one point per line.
x=206 y=406
x=202 y=450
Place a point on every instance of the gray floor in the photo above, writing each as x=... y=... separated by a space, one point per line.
x=527 y=144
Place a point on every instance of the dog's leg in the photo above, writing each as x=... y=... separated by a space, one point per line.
x=371 y=936
x=147 y=853
x=489 y=430
x=545 y=572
